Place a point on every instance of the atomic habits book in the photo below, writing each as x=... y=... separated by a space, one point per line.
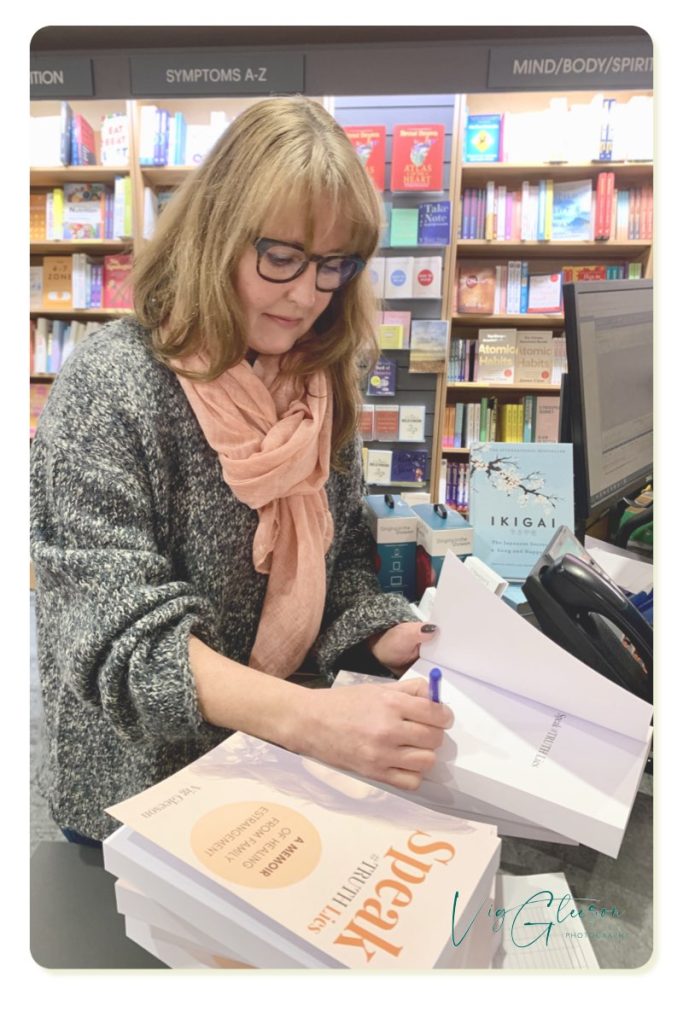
x=294 y=864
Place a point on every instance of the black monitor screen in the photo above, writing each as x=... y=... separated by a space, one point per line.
x=609 y=359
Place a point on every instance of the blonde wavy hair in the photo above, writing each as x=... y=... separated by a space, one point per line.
x=278 y=155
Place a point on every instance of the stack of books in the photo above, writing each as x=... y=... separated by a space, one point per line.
x=256 y=857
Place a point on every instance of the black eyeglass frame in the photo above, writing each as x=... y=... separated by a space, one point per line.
x=263 y=244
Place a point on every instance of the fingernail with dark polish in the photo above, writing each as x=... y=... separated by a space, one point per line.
x=428 y=627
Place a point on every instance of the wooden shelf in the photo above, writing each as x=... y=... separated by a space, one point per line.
x=592 y=252
x=160 y=177
x=51 y=176
x=96 y=246
x=45 y=377
x=455 y=451
x=626 y=171
x=74 y=314
x=490 y=386
x=521 y=319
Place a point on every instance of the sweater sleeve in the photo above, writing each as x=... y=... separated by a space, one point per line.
x=356 y=607
x=112 y=619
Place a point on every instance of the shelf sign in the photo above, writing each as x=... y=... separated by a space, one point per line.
x=55 y=77
x=616 y=65
x=221 y=73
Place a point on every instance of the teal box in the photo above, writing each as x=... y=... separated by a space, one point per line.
x=394 y=531
x=439 y=529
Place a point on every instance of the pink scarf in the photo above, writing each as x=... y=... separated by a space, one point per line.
x=274 y=449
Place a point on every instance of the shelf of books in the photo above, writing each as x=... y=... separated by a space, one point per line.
x=550 y=189
x=407 y=144
x=491 y=203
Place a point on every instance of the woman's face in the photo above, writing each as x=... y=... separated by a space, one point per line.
x=278 y=314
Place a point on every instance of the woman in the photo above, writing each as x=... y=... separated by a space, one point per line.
x=197 y=524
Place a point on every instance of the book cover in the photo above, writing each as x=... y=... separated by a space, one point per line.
x=403 y=229
x=398 y=277
x=285 y=846
x=427 y=272
x=411 y=424
x=36 y=287
x=386 y=422
x=572 y=203
x=376 y=270
x=57 y=287
x=38 y=217
x=402 y=317
x=366 y=422
x=495 y=355
x=370 y=144
x=547 y=423
x=483 y=138
x=117 y=290
x=83 y=141
x=378 y=470
x=519 y=495
x=545 y=293
x=434 y=223
x=382 y=378
x=429 y=346
x=476 y=289
x=417 y=158
x=391 y=336
x=409 y=466
x=114 y=140
x=534 y=357
x=84 y=210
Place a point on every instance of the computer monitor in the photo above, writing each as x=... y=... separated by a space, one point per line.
x=607 y=396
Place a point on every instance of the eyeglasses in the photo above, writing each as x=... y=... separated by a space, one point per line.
x=280 y=262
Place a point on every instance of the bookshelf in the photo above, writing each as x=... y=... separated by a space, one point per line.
x=533 y=163
x=540 y=147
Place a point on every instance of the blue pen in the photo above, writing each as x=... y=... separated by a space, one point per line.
x=434 y=680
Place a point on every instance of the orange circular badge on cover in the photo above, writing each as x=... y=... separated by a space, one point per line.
x=260 y=845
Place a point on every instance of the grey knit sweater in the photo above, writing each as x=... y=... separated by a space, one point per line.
x=138 y=541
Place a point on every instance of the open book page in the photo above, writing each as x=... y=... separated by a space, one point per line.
x=482 y=638
x=537 y=762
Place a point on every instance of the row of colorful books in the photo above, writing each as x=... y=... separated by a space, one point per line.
x=406 y=277
x=557 y=211
x=456 y=477
x=508 y=356
x=392 y=422
x=485 y=289
x=82 y=211
x=65 y=138
x=534 y=418
x=53 y=341
x=385 y=466
x=80 y=281
x=166 y=139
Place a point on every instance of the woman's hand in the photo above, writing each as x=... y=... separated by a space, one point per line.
x=397 y=648
x=388 y=732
